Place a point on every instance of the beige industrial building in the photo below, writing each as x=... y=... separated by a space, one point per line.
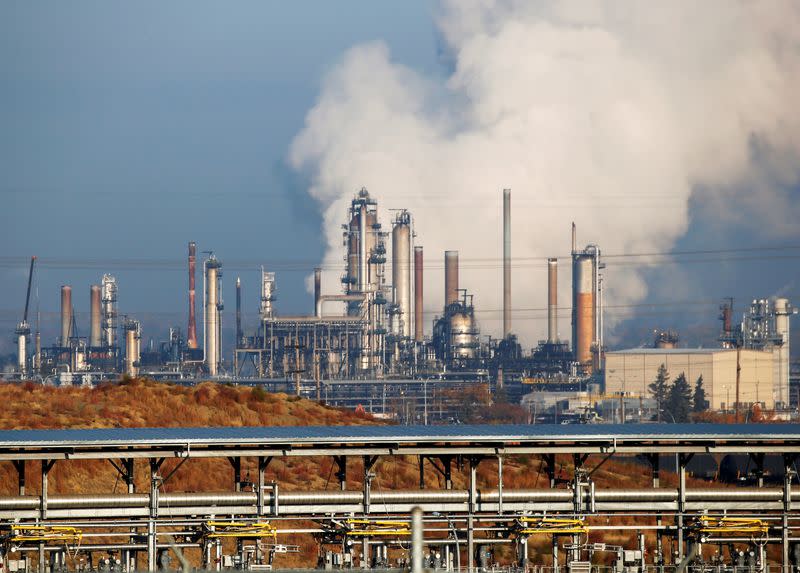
x=632 y=371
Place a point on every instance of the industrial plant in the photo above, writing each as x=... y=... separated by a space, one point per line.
x=370 y=345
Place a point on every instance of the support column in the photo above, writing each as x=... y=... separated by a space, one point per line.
x=550 y=465
x=655 y=465
x=155 y=466
x=236 y=464
x=448 y=476
x=47 y=465
x=683 y=460
x=555 y=553
x=758 y=460
x=369 y=461
x=472 y=505
x=263 y=462
x=788 y=474
x=499 y=483
x=421 y=472
x=341 y=472
x=20 y=467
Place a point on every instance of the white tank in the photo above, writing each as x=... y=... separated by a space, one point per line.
x=463 y=336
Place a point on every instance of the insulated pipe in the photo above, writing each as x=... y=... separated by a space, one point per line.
x=191 y=332
x=317 y=291
x=66 y=314
x=552 y=300
x=506 y=262
x=418 y=292
x=450 y=277
x=95 y=334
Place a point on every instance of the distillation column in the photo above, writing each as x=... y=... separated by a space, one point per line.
x=212 y=315
x=133 y=336
x=401 y=268
x=418 y=292
x=95 y=319
x=191 y=331
x=450 y=277
x=782 y=311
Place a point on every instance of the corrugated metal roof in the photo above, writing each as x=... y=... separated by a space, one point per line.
x=288 y=435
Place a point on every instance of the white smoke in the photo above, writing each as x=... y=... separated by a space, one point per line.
x=610 y=114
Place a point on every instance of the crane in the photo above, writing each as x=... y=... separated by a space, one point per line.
x=23 y=330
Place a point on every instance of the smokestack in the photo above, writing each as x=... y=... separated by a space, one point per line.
x=574 y=239
x=191 y=331
x=552 y=300
x=418 y=268
x=318 y=292
x=506 y=262
x=584 y=301
x=66 y=314
x=450 y=277
x=94 y=317
x=238 y=311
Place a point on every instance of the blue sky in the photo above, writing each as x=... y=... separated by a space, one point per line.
x=128 y=129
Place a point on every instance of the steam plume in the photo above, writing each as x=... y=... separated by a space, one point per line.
x=611 y=114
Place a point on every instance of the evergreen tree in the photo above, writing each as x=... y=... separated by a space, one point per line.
x=679 y=399
x=699 y=402
x=659 y=389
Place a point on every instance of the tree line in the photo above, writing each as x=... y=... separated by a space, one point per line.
x=677 y=401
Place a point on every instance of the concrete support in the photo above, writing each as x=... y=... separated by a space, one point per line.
x=47 y=465
x=421 y=462
x=758 y=460
x=550 y=466
x=155 y=466
x=369 y=462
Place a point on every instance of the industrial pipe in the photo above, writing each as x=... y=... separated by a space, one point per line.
x=450 y=277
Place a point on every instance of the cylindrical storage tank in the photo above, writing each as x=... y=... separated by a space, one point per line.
x=506 y=262
x=212 y=317
x=66 y=314
x=418 y=291
x=401 y=268
x=95 y=332
x=463 y=337
x=552 y=300
x=583 y=286
x=450 y=277
x=782 y=311
x=191 y=332
x=131 y=348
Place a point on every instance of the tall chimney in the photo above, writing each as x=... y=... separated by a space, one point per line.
x=418 y=268
x=95 y=332
x=450 y=277
x=318 y=292
x=552 y=300
x=66 y=314
x=506 y=262
x=239 y=333
x=191 y=334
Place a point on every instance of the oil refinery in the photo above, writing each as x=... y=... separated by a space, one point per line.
x=368 y=344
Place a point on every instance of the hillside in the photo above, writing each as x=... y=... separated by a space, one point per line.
x=139 y=403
